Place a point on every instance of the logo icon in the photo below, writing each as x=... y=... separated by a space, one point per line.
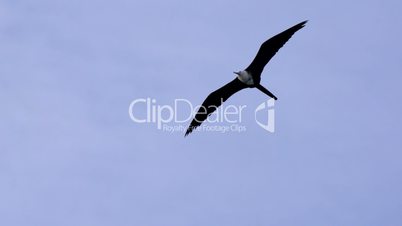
x=269 y=124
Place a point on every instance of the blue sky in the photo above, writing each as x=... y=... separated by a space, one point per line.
x=70 y=155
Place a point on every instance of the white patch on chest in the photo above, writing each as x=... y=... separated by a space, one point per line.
x=245 y=78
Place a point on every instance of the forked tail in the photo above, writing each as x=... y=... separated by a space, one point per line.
x=264 y=90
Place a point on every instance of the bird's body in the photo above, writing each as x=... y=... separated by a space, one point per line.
x=248 y=78
x=245 y=78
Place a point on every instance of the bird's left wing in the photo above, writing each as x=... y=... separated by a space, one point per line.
x=213 y=101
x=269 y=48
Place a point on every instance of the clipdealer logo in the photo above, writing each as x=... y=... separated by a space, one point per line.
x=268 y=106
x=176 y=116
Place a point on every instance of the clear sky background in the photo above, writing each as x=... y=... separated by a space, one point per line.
x=70 y=155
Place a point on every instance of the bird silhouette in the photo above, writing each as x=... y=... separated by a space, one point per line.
x=248 y=78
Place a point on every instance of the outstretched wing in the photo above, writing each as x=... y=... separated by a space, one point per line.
x=270 y=47
x=213 y=101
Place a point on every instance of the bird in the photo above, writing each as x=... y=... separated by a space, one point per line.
x=248 y=78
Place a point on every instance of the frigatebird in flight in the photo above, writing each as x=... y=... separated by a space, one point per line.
x=249 y=78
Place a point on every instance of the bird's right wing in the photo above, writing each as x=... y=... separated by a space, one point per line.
x=213 y=101
x=270 y=47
